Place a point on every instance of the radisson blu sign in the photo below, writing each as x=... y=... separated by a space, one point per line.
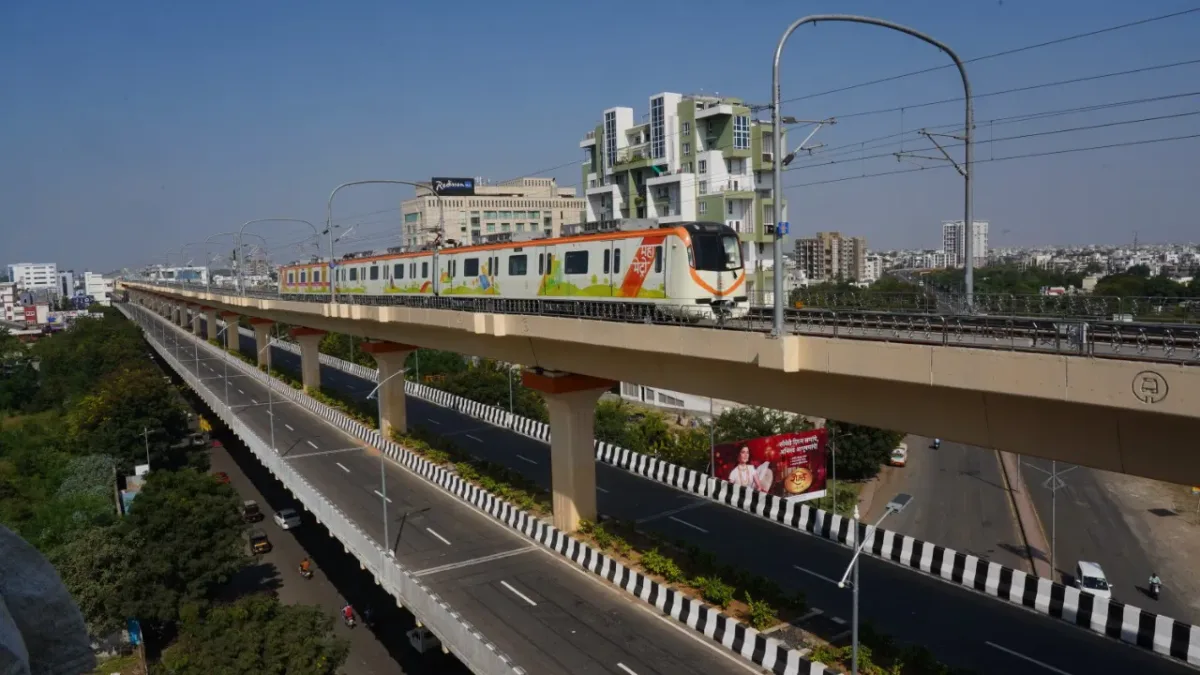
x=453 y=187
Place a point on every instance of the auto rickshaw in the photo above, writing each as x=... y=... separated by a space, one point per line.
x=259 y=542
x=250 y=511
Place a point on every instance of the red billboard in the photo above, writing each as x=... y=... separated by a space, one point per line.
x=791 y=466
x=30 y=313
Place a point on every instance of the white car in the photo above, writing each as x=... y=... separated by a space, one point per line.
x=1089 y=578
x=287 y=518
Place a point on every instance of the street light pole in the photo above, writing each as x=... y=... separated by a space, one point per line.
x=777 y=130
x=238 y=250
x=898 y=504
x=382 y=465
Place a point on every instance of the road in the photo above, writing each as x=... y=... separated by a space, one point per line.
x=963 y=628
x=547 y=615
x=962 y=501
x=1091 y=527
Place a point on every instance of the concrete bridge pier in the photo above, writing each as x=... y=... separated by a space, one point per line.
x=309 y=340
x=197 y=329
x=210 y=321
x=232 y=336
x=393 y=410
x=262 y=338
x=571 y=401
x=181 y=314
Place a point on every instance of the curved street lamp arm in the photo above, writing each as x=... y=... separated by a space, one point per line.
x=776 y=114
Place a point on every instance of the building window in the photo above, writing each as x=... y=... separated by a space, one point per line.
x=489 y=215
x=703 y=207
x=687 y=148
x=534 y=215
x=520 y=227
x=504 y=227
x=729 y=207
x=658 y=145
x=491 y=227
x=575 y=262
x=703 y=164
x=610 y=137
x=687 y=129
x=518 y=265
x=741 y=132
x=412 y=217
x=471 y=267
x=702 y=187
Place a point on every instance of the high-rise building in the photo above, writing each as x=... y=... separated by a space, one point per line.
x=830 y=256
x=34 y=276
x=955 y=247
x=99 y=288
x=520 y=206
x=66 y=283
x=8 y=301
x=694 y=158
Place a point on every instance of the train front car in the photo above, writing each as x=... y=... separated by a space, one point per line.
x=716 y=278
x=303 y=279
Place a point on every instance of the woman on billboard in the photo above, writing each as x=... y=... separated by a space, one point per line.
x=746 y=474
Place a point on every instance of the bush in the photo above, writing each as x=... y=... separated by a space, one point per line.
x=715 y=591
x=659 y=564
x=762 y=615
x=603 y=538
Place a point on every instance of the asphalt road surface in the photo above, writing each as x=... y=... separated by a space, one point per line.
x=963 y=628
x=546 y=615
x=1090 y=527
x=961 y=501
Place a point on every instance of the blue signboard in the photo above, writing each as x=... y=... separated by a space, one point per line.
x=784 y=228
x=135 y=632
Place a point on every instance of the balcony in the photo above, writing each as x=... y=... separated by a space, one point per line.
x=633 y=157
x=713 y=110
x=589 y=140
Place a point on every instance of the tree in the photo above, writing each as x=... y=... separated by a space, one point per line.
x=256 y=634
x=192 y=529
x=94 y=567
x=435 y=362
x=113 y=418
x=861 y=450
x=74 y=360
x=746 y=422
x=490 y=383
x=612 y=422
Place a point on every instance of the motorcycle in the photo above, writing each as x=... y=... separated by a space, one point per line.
x=349 y=621
x=1155 y=589
x=306 y=573
x=937 y=443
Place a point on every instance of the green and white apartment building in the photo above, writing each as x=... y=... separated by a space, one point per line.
x=691 y=158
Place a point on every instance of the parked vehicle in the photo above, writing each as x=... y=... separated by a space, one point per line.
x=250 y=511
x=259 y=543
x=287 y=518
x=899 y=456
x=221 y=477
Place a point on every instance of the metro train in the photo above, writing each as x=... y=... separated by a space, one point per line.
x=692 y=269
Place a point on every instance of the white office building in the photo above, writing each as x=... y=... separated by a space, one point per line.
x=8 y=302
x=66 y=283
x=98 y=288
x=955 y=247
x=34 y=276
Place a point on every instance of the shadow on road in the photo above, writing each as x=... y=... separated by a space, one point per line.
x=257 y=577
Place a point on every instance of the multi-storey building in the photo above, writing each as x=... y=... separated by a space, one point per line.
x=692 y=158
x=522 y=205
x=830 y=256
x=955 y=247
x=8 y=301
x=34 y=276
x=66 y=283
x=99 y=288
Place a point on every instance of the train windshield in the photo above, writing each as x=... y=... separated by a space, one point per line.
x=716 y=252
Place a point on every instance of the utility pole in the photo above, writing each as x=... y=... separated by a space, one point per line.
x=146 y=436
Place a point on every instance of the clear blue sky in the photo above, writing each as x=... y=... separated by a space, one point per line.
x=132 y=127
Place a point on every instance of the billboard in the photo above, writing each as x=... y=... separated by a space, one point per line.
x=790 y=466
x=453 y=187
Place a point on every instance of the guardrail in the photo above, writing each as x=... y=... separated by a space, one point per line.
x=1158 y=342
x=467 y=644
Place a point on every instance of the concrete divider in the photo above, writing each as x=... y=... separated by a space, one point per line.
x=1127 y=623
x=458 y=635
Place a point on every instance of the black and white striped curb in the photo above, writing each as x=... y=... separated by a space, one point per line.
x=767 y=652
x=1127 y=623
x=334 y=524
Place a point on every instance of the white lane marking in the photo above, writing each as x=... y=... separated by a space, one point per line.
x=684 y=522
x=818 y=575
x=389 y=499
x=838 y=620
x=314 y=445
x=440 y=537
x=270 y=413
x=343 y=466
x=626 y=668
x=475 y=561
x=433 y=421
x=254 y=402
x=526 y=459
x=1022 y=656
x=474 y=438
x=289 y=427
x=600 y=489
x=519 y=594
x=670 y=512
x=241 y=392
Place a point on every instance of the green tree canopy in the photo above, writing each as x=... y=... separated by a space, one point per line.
x=74 y=360
x=861 y=450
x=95 y=568
x=256 y=635
x=490 y=383
x=746 y=422
x=191 y=527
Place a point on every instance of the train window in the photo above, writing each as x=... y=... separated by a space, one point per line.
x=398 y=271
x=541 y=263
x=607 y=260
x=517 y=265
x=549 y=263
x=716 y=252
x=353 y=274
x=291 y=277
x=385 y=271
x=316 y=276
x=658 y=259
x=424 y=270
x=303 y=276
x=616 y=261
x=575 y=262
x=374 y=272
x=471 y=267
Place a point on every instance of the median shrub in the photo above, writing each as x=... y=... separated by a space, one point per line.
x=762 y=614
